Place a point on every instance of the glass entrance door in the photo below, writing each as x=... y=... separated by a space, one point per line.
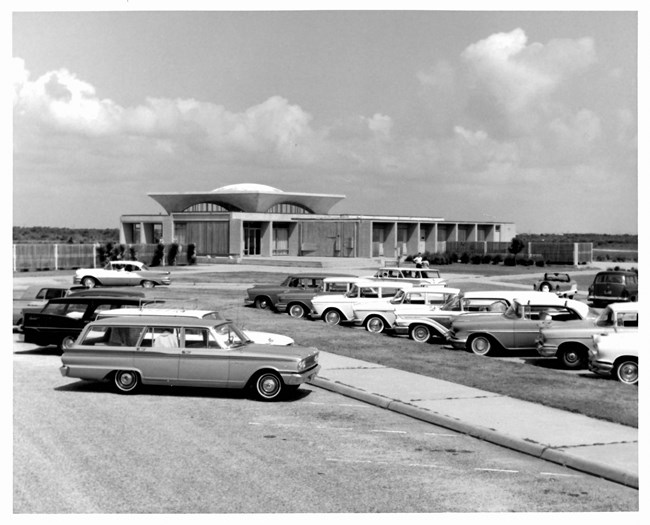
x=252 y=239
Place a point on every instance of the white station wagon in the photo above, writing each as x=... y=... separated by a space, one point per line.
x=334 y=309
x=157 y=350
x=408 y=303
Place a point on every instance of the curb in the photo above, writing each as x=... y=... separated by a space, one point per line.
x=486 y=434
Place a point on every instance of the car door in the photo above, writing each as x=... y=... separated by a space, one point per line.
x=204 y=358
x=158 y=354
x=57 y=320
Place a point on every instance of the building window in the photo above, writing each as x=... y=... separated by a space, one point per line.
x=206 y=207
x=136 y=232
x=157 y=232
x=285 y=207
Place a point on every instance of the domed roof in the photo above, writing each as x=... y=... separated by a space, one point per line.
x=247 y=188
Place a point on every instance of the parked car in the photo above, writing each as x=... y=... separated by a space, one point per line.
x=121 y=273
x=616 y=355
x=297 y=302
x=35 y=297
x=614 y=286
x=571 y=341
x=336 y=309
x=266 y=296
x=183 y=351
x=408 y=303
x=558 y=283
x=435 y=324
x=417 y=276
x=77 y=291
x=61 y=320
x=262 y=338
x=517 y=328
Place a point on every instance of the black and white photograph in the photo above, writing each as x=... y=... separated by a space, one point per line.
x=331 y=261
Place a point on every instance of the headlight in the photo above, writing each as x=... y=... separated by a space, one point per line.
x=302 y=365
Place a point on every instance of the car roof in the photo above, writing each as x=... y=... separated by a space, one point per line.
x=154 y=320
x=157 y=312
x=405 y=268
x=343 y=278
x=384 y=284
x=92 y=292
x=507 y=294
x=102 y=298
x=624 y=307
x=435 y=288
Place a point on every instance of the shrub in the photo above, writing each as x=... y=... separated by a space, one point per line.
x=510 y=260
x=539 y=262
x=454 y=257
x=464 y=258
x=172 y=252
x=158 y=255
x=191 y=253
x=476 y=259
x=497 y=259
x=486 y=259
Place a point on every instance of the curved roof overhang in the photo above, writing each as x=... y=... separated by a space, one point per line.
x=249 y=201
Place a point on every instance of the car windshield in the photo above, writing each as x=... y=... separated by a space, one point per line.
x=452 y=304
x=398 y=298
x=354 y=291
x=606 y=318
x=431 y=274
x=514 y=311
x=230 y=336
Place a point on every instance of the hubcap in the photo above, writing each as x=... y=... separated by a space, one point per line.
x=629 y=373
x=375 y=325
x=269 y=385
x=332 y=318
x=571 y=358
x=126 y=380
x=420 y=334
x=296 y=311
x=480 y=345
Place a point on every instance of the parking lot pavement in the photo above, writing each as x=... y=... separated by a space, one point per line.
x=586 y=444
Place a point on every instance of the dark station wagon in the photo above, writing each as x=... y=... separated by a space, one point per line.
x=61 y=320
x=614 y=286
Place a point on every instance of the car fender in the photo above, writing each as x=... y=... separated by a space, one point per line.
x=434 y=325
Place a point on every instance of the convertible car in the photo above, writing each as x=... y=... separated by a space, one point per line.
x=558 y=283
x=121 y=273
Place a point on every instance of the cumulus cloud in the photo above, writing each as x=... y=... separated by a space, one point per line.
x=518 y=78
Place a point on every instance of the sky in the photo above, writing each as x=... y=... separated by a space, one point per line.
x=524 y=117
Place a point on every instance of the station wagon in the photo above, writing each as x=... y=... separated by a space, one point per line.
x=176 y=351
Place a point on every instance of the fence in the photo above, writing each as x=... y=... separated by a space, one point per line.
x=550 y=252
x=33 y=257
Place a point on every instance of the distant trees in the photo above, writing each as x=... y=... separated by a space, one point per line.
x=45 y=234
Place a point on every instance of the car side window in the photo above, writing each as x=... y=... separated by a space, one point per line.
x=161 y=337
x=199 y=338
x=369 y=292
x=628 y=319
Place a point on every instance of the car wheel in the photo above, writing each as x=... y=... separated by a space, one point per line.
x=420 y=333
x=126 y=381
x=263 y=303
x=89 y=282
x=268 y=386
x=481 y=345
x=375 y=324
x=298 y=311
x=544 y=287
x=573 y=358
x=332 y=317
x=627 y=371
x=148 y=284
x=67 y=343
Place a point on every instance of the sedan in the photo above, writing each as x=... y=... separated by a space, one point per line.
x=516 y=329
x=122 y=273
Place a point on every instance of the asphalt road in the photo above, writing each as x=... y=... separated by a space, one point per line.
x=79 y=448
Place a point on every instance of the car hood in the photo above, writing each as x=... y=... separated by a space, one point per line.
x=267 y=338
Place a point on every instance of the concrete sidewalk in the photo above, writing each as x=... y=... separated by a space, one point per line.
x=586 y=444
